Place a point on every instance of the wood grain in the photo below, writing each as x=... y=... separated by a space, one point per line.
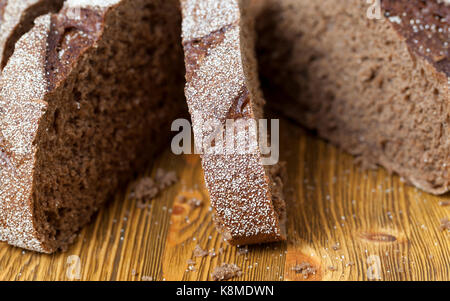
x=347 y=223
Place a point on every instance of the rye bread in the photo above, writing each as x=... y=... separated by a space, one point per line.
x=222 y=84
x=378 y=88
x=83 y=99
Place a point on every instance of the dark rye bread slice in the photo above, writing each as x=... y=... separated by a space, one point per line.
x=222 y=83
x=84 y=98
x=377 y=88
x=16 y=18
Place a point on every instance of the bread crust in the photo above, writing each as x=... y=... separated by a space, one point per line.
x=15 y=19
x=218 y=88
x=22 y=107
x=433 y=47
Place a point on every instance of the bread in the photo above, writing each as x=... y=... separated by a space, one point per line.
x=83 y=99
x=16 y=18
x=222 y=84
x=379 y=89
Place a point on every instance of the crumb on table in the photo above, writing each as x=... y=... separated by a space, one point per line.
x=445 y=224
x=242 y=251
x=304 y=268
x=148 y=188
x=200 y=252
x=226 y=271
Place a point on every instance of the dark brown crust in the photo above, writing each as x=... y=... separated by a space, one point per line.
x=239 y=109
x=196 y=50
x=424 y=25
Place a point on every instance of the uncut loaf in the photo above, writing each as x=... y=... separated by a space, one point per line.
x=378 y=88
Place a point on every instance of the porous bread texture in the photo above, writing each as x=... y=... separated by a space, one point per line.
x=83 y=101
x=353 y=79
x=16 y=18
x=222 y=83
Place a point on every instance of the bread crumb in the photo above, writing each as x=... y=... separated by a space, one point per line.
x=444 y=203
x=165 y=178
x=336 y=246
x=332 y=268
x=226 y=271
x=144 y=189
x=199 y=252
x=242 y=251
x=305 y=268
x=194 y=202
x=445 y=224
x=148 y=188
x=191 y=266
x=190 y=262
x=147 y=278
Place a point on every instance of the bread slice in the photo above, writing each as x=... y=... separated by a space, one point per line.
x=16 y=18
x=377 y=88
x=84 y=98
x=222 y=84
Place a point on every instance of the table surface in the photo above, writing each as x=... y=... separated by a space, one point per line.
x=348 y=224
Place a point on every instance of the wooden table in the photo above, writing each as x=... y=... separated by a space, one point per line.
x=347 y=223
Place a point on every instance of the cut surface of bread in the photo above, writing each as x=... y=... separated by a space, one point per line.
x=84 y=98
x=222 y=84
x=378 y=88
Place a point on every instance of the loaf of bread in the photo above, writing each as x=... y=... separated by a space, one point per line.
x=372 y=80
x=222 y=84
x=87 y=86
x=83 y=99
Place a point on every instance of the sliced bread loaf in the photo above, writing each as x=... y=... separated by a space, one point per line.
x=378 y=88
x=84 y=97
x=222 y=84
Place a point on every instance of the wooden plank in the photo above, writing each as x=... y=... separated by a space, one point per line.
x=193 y=226
x=379 y=227
x=347 y=223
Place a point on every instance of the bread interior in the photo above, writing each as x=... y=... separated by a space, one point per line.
x=105 y=117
